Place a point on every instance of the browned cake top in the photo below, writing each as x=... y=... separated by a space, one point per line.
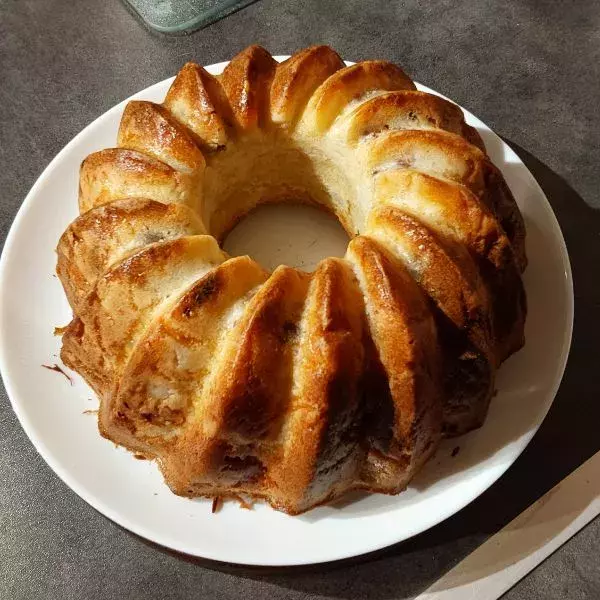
x=290 y=386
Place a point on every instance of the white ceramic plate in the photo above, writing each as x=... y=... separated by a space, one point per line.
x=131 y=492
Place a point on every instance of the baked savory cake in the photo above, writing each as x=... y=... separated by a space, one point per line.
x=289 y=386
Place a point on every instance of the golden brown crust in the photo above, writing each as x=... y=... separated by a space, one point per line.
x=407 y=109
x=435 y=152
x=108 y=233
x=297 y=78
x=117 y=173
x=450 y=209
x=455 y=213
x=150 y=128
x=501 y=201
x=249 y=396
x=402 y=383
x=349 y=84
x=472 y=136
x=448 y=275
x=450 y=156
x=162 y=381
x=197 y=100
x=247 y=80
x=321 y=434
x=246 y=397
x=124 y=300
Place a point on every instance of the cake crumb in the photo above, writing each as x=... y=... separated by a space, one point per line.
x=217 y=504
x=89 y=411
x=245 y=504
x=56 y=368
x=139 y=456
x=60 y=330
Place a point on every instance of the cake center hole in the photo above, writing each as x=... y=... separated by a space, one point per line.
x=287 y=234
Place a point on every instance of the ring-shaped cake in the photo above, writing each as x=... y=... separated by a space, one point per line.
x=289 y=386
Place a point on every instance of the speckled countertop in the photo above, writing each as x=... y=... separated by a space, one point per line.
x=529 y=68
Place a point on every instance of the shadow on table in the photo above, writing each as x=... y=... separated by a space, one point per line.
x=567 y=438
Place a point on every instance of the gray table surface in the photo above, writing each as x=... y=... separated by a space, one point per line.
x=530 y=69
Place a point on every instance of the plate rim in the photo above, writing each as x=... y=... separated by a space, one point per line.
x=139 y=530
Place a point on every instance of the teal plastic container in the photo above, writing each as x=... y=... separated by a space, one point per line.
x=178 y=17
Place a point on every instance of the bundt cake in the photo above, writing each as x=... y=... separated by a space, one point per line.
x=289 y=386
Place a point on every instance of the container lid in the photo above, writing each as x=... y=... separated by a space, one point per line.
x=183 y=16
